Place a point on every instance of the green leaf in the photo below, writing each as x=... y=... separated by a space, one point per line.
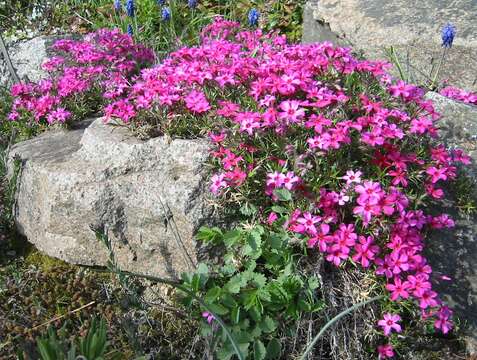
x=225 y=353
x=313 y=283
x=254 y=240
x=248 y=209
x=282 y=194
x=235 y=315
x=259 y=351
x=213 y=294
x=259 y=280
x=236 y=283
x=232 y=237
x=268 y=325
x=218 y=309
x=202 y=269
x=207 y=234
x=280 y=209
x=274 y=349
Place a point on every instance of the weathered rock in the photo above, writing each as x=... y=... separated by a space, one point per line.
x=454 y=252
x=150 y=195
x=412 y=27
x=27 y=57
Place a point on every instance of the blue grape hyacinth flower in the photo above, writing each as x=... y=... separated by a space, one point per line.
x=192 y=4
x=130 y=30
x=130 y=8
x=253 y=16
x=117 y=5
x=161 y=2
x=448 y=33
x=166 y=14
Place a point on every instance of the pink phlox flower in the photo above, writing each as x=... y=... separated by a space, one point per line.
x=436 y=193
x=421 y=126
x=208 y=317
x=437 y=174
x=197 y=102
x=365 y=250
x=352 y=177
x=218 y=183
x=443 y=322
x=290 y=180
x=231 y=160
x=385 y=351
x=390 y=323
x=459 y=156
x=60 y=115
x=291 y=111
x=272 y=217
x=337 y=253
x=398 y=289
x=217 y=138
x=369 y=192
x=321 y=238
x=317 y=122
x=419 y=284
x=441 y=221
x=428 y=299
x=236 y=177
x=308 y=221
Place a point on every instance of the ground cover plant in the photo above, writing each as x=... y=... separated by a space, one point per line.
x=319 y=155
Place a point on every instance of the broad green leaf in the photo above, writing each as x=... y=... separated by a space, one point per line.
x=248 y=209
x=259 y=351
x=207 y=234
x=232 y=237
x=274 y=349
x=236 y=283
x=282 y=194
x=268 y=325
x=218 y=309
x=280 y=209
x=213 y=294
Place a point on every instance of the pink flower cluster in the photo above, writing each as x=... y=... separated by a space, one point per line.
x=103 y=62
x=459 y=94
x=353 y=155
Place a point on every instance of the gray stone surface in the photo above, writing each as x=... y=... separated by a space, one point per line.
x=151 y=196
x=454 y=252
x=413 y=27
x=27 y=57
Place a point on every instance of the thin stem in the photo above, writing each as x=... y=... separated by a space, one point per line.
x=438 y=68
x=334 y=320
x=8 y=60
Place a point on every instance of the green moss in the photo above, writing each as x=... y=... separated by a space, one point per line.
x=42 y=261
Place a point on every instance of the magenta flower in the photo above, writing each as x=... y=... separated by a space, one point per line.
x=390 y=323
x=218 y=183
x=398 y=289
x=385 y=351
x=208 y=317
x=197 y=102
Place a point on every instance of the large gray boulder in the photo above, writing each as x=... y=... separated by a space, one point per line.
x=454 y=252
x=412 y=27
x=151 y=196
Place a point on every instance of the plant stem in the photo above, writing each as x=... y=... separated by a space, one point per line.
x=334 y=320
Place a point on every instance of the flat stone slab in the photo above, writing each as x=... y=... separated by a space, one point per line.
x=150 y=195
x=412 y=27
x=454 y=252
